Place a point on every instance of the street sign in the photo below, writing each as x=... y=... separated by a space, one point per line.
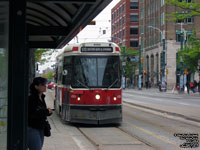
x=123 y=63
x=134 y=59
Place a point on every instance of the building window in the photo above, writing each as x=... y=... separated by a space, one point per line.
x=142 y=13
x=190 y=20
x=162 y=19
x=123 y=20
x=133 y=44
x=133 y=18
x=123 y=32
x=123 y=7
x=178 y=36
x=133 y=31
x=120 y=22
x=162 y=2
x=133 y=5
x=189 y=1
x=180 y=13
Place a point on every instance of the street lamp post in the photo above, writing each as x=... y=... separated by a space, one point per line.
x=140 y=66
x=163 y=52
x=124 y=66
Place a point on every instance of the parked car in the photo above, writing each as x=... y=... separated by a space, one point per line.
x=51 y=85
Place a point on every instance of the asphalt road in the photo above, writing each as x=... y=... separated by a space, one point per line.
x=140 y=129
x=183 y=105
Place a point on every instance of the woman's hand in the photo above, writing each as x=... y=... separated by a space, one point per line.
x=50 y=110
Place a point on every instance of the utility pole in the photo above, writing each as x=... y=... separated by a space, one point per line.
x=162 y=53
x=140 y=65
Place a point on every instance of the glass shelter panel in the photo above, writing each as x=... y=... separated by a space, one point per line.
x=4 y=9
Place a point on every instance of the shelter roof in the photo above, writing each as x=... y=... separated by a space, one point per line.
x=53 y=23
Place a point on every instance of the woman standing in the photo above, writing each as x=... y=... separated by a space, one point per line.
x=37 y=113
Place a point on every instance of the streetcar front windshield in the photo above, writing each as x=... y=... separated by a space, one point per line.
x=96 y=72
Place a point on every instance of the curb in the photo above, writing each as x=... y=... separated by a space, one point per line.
x=162 y=111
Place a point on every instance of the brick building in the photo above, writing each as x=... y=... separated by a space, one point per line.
x=125 y=23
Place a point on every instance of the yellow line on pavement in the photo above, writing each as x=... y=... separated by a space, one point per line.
x=151 y=133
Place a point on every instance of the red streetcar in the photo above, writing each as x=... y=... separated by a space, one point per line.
x=88 y=83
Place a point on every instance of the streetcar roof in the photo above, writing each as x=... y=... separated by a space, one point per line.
x=104 y=47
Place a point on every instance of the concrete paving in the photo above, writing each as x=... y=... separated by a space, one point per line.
x=67 y=137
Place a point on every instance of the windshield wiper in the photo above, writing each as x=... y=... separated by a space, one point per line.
x=83 y=84
x=113 y=83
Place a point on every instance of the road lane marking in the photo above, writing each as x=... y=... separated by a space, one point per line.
x=154 y=135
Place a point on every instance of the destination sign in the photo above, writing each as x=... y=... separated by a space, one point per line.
x=96 y=49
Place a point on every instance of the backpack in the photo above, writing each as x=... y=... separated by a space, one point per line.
x=191 y=84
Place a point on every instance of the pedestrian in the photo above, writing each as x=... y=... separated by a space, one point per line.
x=192 y=86
x=147 y=84
x=37 y=113
x=159 y=85
x=188 y=87
x=195 y=86
x=198 y=85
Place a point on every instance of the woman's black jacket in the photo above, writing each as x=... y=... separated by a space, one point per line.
x=37 y=111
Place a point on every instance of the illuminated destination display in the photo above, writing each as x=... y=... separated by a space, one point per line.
x=96 y=49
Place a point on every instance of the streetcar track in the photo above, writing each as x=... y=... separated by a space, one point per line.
x=89 y=139
x=98 y=145
x=138 y=138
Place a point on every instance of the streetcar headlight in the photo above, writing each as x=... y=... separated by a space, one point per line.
x=78 y=98
x=97 y=96
x=115 y=98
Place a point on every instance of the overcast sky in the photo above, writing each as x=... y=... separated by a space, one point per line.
x=95 y=32
x=91 y=32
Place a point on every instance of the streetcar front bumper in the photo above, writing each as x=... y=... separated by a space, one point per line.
x=96 y=114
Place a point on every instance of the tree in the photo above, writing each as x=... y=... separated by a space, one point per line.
x=43 y=55
x=49 y=75
x=131 y=66
x=191 y=53
x=192 y=9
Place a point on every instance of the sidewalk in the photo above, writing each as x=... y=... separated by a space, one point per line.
x=168 y=91
x=182 y=112
x=64 y=136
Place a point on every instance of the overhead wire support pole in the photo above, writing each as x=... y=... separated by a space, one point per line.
x=140 y=66
x=163 y=52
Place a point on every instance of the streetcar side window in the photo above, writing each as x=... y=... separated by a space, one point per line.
x=59 y=75
x=67 y=71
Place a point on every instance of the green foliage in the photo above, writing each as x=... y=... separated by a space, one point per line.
x=132 y=65
x=43 y=55
x=49 y=75
x=191 y=53
x=192 y=9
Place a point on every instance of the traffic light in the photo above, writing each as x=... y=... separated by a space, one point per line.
x=141 y=60
x=145 y=72
x=167 y=71
x=128 y=59
x=93 y=22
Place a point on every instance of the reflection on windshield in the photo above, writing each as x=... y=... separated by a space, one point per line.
x=96 y=72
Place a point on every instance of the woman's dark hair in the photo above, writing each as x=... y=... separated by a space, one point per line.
x=37 y=81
